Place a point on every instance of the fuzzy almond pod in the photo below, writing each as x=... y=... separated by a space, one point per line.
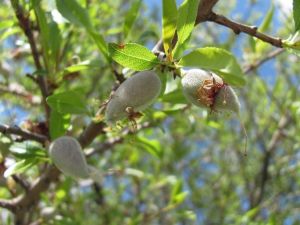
x=66 y=154
x=207 y=89
x=227 y=100
x=137 y=93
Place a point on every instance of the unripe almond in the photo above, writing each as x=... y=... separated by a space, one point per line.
x=137 y=92
x=207 y=89
x=66 y=154
x=227 y=100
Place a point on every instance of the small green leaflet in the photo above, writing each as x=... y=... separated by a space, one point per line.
x=260 y=46
x=296 y=13
x=265 y=25
x=131 y=16
x=217 y=60
x=4 y=24
x=50 y=43
x=178 y=195
x=174 y=97
x=20 y=167
x=169 y=22
x=292 y=44
x=187 y=14
x=59 y=123
x=72 y=102
x=28 y=150
x=151 y=146
x=8 y=32
x=100 y=42
x=85 y=65
x=133 y=56
x=76 y=14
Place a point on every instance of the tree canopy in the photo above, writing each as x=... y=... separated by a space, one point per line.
x=175 y=151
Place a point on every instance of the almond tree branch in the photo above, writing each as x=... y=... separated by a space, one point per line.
x=31 y=197
x=91 y=132
x=7 y=204
x=101 y=148
x=263 y=175
x=20 y=93
x=24 y=23
x=238 y=28
x=28 y=201
x=204 y=10
x=258 y=63
x=26 y=135
x=22 y=182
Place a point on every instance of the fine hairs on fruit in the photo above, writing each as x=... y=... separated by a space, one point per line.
x=133 y=95
x=208 y=90
x=67 y=155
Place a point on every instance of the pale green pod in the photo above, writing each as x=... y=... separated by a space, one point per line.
x=224 y=100
x=137 y=92
x=66 y=154
x=227 y=100
x=192 y=80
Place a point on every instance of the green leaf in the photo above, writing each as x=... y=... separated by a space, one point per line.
x=68 y=102
x=85 y=65
x=252 y=43
x=151 y=146
x=174 y=109
x=178 y=195
x=163 y=75
x=100 y=42
x=133 y=56
x=296 y=13
x=71 y=10
x=74 y=12
x=261 y=46
x=265 y=25
x=59 y=123
x=174 y=97
x=54 y=43
x=292 y=44
x=50 y=39
x=131 y=16
x=28 y=150
x=219 y=61
x=186 y=18
x=168 y=22
x=248 y=216
x=20 y=167
x=4 y=24
x=34 y=3
x=9 y=32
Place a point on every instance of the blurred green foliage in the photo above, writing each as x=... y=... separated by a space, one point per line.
x=187 y=166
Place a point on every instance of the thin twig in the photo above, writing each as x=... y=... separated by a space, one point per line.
x=24 y=23
x=238 y=28
x=26 y=135
x=34 y=100
x=22 y=182
x=264 y=172
x=7 y=204
x=258 y=63
x=119 y=76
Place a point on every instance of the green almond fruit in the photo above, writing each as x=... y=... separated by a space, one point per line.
x=137 y=92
